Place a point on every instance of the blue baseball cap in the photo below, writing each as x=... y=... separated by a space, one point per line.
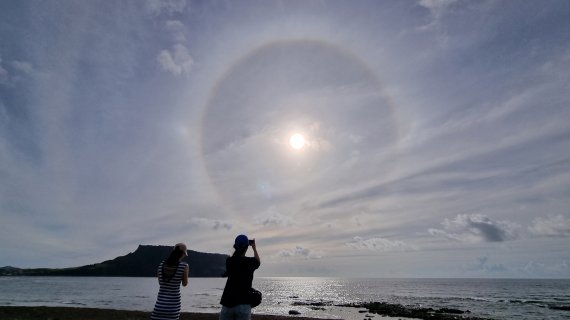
x=241 y=241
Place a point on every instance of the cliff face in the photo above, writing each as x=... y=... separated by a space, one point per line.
x=141 y=263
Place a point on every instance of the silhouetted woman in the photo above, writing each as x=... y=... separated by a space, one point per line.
x=171 y=272
x=239 y=269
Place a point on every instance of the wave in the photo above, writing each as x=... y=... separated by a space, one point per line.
x=437 y=299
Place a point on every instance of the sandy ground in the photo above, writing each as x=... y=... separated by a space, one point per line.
x=64 y=313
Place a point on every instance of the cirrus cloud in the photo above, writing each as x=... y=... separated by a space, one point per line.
x=379 y=244
x=273 y=218
x=170 y=7
x=212 y=223
x=551 y=226
x=300 y=252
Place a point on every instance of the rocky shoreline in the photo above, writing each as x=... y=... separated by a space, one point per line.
x=398 y=310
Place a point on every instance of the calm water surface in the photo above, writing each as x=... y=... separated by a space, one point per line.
x=492 y=298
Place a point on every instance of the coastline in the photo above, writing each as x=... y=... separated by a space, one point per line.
x=73 y=313
x=371 y=310
x=286 y=299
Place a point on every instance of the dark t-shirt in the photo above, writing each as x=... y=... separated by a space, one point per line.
x=240 y=275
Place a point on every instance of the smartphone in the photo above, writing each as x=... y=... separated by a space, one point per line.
x=251 y=242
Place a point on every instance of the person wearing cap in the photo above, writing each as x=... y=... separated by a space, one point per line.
x=239 y=269
x=171 y=272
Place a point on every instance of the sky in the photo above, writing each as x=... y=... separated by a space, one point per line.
x=435 y=134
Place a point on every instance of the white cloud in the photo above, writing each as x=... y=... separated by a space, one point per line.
x=23 y=66
x=536 y=268
x=3 y=114
x=176 y=61
x=3 y=74
x=170 y=7
x=483 y=264
x=273 y=218
x=300 y=252
x=356 y=221
x=18 y=69
x=174 y=25
x=438 y=9
x=551 y=226
x=212 y=224
x=176 y=29
x=436 y=6
x=476 y=228
x=379 y=244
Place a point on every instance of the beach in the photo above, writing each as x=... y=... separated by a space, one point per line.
x=385 y=311
x=71 y=313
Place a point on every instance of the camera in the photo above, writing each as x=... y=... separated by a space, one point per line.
x=251 y=242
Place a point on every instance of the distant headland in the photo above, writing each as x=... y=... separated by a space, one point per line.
x=142 y=262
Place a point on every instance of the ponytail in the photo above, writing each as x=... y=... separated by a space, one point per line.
x=174 y=257
x=172 y=261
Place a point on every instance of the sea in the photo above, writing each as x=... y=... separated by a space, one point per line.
x=487 y=298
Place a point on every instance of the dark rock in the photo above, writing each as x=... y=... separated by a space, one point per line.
x=559 y=307
x=294 y=312
x=314 y=304
x=398 y=310
x=317 y=308
x=449 y=310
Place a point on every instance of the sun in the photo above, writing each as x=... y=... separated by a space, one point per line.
x=297 y=141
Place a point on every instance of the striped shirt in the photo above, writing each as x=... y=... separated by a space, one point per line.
x=168 y=303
